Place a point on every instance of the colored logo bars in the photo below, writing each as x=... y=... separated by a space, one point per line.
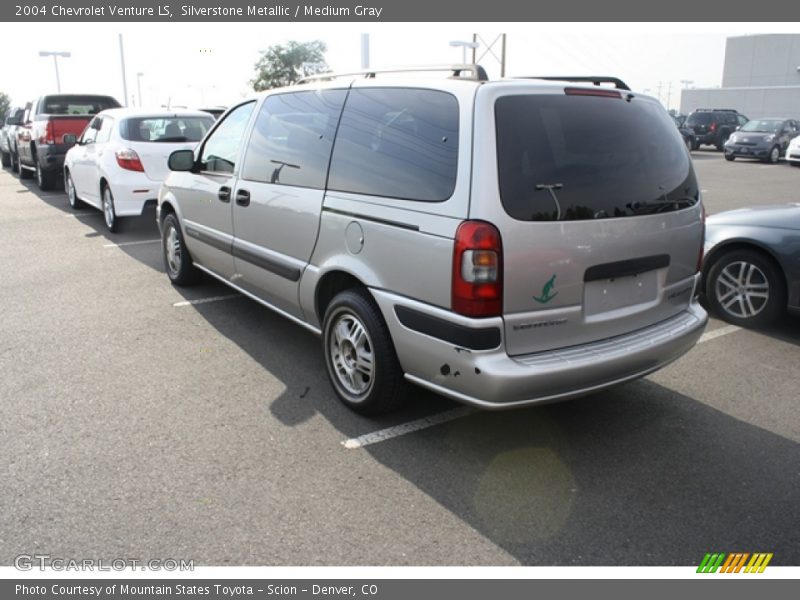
x=734 y=562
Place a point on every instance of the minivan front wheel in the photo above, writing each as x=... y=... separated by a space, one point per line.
x=177 y=262
x=359 y=354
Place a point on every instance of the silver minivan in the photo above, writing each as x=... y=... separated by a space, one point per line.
x=502 y=243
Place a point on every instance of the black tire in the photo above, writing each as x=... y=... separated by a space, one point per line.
x=773 y=156
x=6 y=159
x=730 y=157
x=747 y=288
x=177 y=261
x=72 y=196
x=46 y=180
x=22 y=171
x=695 y=145
x=14 y=162
x=688 y=143
x=109 y=212
x=359 y=355
x=721 y=141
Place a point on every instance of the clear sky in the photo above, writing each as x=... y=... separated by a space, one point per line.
x=211 y=63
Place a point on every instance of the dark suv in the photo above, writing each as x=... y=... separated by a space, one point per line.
x=713 y=126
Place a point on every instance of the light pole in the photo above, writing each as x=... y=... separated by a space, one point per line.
x=464 y=45
x=55 y=56
x=686 y=83
x=139 y=87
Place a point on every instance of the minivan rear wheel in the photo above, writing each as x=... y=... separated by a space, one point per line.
x=359 y=354
x=746 y=288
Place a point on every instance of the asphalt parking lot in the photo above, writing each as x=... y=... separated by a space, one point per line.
x=136 y=423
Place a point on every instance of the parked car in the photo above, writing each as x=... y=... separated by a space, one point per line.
x=8 y=138
x=686 y=133
x=793 y=152
x=40 y=138
x=712 y=126
x=120 y=159
x=502 y=243
x=217 y=111
x=764 y=139
x=751 y=271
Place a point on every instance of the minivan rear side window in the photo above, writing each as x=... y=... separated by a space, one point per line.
x=292 y=138
x=577 y=157
x=397 y=143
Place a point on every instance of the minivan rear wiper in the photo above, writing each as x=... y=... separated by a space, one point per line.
x=550 y=187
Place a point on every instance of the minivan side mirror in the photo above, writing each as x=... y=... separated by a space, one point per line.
x=181 y=160
x=70 y=139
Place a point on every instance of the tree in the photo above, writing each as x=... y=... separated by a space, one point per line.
x=281 y=65
x=5 y=105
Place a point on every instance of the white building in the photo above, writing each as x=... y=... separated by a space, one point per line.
x=761 y=78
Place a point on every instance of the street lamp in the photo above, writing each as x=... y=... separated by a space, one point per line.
x=464 y=45
x=139 y=87
x=55 y=56
x=686 y=83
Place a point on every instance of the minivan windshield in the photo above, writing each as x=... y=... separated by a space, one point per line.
x=578 y=157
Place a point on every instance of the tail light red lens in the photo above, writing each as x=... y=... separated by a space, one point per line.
x=598 y=91
x=129 y=160
x=49 y=136
x=477 y=288
x=702 y=243
x=712 y=127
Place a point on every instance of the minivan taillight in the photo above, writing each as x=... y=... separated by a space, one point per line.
x=129 y=160
x=477 y=288
x=701 y=256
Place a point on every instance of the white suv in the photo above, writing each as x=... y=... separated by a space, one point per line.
x=500 y=242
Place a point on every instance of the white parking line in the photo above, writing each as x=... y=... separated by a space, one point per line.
x=392 y=432
x=718 y=333
x=81 y=214
x=207 y=300
x=131 y=243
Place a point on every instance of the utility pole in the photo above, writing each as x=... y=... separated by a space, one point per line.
x=124 y=81
x=365 y=51
x=669 y=93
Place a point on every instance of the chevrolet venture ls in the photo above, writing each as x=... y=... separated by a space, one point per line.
x=502 y=243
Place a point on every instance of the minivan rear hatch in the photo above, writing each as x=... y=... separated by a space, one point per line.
x=597 y=205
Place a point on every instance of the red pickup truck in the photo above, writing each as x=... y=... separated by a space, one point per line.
x=40 y=137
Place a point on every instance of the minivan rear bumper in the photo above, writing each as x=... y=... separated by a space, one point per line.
x=492 y=379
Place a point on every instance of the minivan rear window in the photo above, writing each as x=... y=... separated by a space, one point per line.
x=397 y=143
x=574 y=157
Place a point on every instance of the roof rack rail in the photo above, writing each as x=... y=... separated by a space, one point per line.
x=473 y=73
x=618 y=83
x=716 y=110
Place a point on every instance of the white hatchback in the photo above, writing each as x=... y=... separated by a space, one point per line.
x=120 y=159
